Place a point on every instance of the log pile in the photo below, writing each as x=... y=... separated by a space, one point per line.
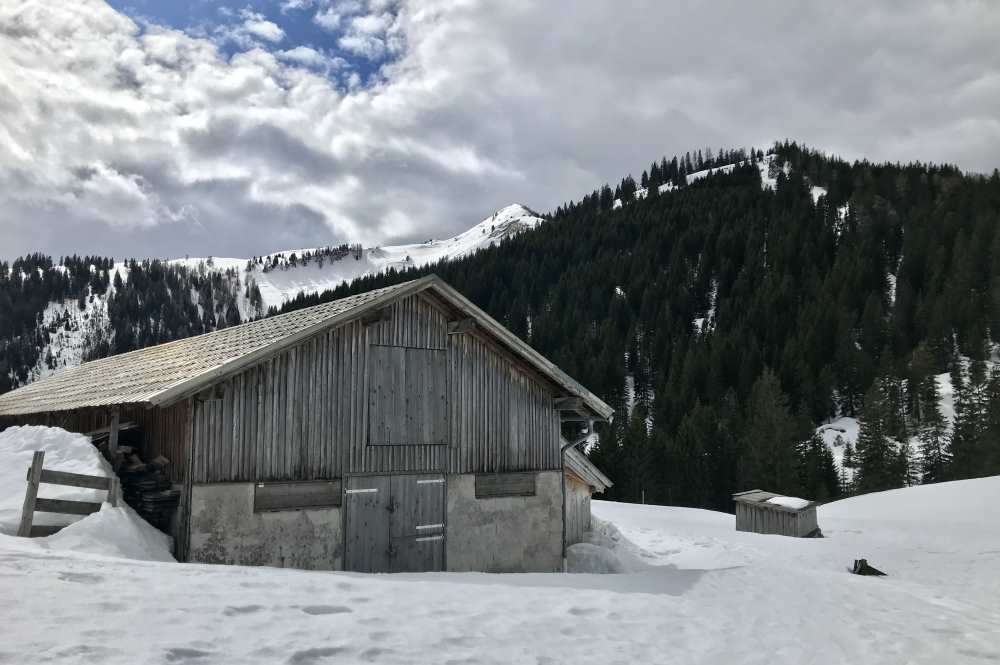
x=148 y=490
x=144 y=485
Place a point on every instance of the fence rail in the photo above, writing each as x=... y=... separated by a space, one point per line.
x=32 y=503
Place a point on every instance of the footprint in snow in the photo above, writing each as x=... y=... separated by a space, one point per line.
x=82 y=578
x=326 y=609
x=236 y=610
x=582 y=611
x=183 y=655
x=306 y=656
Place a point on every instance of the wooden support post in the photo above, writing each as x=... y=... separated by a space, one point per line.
x=113 y=487
x=113 y=434
x=31 y=494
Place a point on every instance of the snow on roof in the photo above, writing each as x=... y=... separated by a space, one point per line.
x=771 y=500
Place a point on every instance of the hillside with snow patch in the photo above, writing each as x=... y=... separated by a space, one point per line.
x=280 y=276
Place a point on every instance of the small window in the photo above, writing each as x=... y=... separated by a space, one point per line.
x=269 y=497
x=492 y=485
x=407 y=396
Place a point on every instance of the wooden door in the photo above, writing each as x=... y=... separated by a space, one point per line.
x=417 y=523
x=394 y=523
x=366 y=530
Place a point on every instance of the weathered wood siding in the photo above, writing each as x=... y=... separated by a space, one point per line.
x=303 y=413
x=760 y=519
x=166 y=431
x=577 y=510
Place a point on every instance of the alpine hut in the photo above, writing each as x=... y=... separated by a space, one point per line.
x=402 y=429
x=766 y=512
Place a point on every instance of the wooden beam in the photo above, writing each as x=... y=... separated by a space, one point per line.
x=113 y=432
x=461 y=326
x=31 y=493
x=568 y=404
x=66 y=506
x=74 y=479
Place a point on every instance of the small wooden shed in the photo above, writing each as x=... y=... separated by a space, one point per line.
x=402 y=429
x=758 y=511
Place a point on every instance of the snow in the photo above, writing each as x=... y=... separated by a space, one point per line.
x=689 y=589
x=793 y=502
x=115 y=532
x=836 y=435
x=816 y=193
x=64 y=451
x=66 y=346
x=280 y=284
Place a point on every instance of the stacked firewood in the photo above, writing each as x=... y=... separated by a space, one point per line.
x=147 y=489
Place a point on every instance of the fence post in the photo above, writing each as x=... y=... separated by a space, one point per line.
x=31 y=493
x=113 y=485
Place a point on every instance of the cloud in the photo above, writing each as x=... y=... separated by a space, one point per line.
x=249 y=32
x=142 y=140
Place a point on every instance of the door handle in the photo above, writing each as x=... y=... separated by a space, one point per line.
x=391 y=551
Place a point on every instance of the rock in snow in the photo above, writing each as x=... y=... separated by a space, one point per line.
x=690 y=589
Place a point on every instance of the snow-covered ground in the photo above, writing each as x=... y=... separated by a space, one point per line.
x=692 y=590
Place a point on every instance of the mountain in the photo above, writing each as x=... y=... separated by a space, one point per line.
x=66 y=319
x=283 y=275
x=737 y=309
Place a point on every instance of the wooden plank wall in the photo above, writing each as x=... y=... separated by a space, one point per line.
x=167 y=431
x=302 y=414
x=577 y=510
x=772 y=521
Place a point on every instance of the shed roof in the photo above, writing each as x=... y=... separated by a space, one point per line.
x=760 y=498
x=587 y=471
x=159 y=375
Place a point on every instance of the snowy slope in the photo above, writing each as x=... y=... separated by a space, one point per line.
x=280 y=284
x=698 y=592
x=72 y=328
x=844 y=430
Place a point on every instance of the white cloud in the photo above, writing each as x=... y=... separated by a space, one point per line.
x=151 y=142
x=252 y=28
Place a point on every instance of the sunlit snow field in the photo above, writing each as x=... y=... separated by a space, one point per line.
x=696 y=592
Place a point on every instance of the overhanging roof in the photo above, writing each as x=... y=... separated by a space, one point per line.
x=159 y=375
x=587 y=471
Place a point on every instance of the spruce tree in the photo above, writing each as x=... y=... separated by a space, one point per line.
x=878 y=459
x=770 y=462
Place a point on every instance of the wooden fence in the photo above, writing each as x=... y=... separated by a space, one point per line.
x=33 y=504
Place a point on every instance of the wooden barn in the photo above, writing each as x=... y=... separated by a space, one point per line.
x=758 y=511
x=401 y=429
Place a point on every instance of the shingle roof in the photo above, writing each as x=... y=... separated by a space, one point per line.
x=140 y=376
x=161 y=374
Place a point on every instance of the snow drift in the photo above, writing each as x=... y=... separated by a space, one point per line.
x=116 y=532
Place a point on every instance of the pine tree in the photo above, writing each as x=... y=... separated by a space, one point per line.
x=932 y=433
x=878 y=467
x=770 y=462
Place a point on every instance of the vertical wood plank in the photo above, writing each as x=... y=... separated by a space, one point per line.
x=31 y=494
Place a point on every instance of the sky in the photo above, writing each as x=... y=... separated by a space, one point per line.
x=167 y=128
